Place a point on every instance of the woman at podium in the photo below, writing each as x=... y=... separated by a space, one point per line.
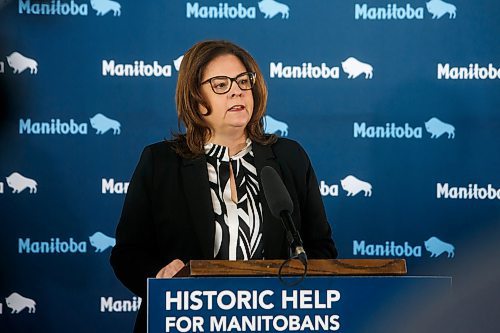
x=199 y=195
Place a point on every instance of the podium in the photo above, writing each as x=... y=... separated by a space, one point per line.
x=343 y=295
x=316 y=267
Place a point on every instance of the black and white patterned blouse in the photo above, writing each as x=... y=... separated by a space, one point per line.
x=238 y=226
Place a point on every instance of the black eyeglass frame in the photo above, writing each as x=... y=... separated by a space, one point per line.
x=251 y=76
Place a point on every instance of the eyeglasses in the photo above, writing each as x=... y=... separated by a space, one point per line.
x=222 y=84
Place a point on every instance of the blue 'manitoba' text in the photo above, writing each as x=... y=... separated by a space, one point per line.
x=54 y=126
x=54 y=245
x=389 y=248
x=390 y=130
x=54 y=7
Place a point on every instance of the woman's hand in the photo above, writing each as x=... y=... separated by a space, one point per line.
x=170 y=270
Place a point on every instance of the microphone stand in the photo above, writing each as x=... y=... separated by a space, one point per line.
x=293 y=237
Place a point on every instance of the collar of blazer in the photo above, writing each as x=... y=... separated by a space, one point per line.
x=197 y=191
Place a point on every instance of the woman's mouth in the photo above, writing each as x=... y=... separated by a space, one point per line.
x=236 y=108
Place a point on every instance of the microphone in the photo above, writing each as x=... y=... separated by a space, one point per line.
x=281 y=206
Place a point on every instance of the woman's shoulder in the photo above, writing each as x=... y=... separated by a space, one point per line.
x=161 y=146
x=161 y=150
x=285 y=145
x=290 y=152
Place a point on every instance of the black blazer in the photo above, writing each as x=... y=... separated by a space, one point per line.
x=168 y=213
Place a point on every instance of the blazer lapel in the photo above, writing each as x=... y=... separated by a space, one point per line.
x=273 y=233
x=197 y=191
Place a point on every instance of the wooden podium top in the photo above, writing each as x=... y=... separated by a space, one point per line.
x=316 y=267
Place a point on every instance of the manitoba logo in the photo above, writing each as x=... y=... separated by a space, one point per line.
x=470 y=192
x=308 y=70
x=435 y=127
x=54 y=126
x=353 y=186
x=177 y=62
x=110 y=304
x=102 y=124
x=392 y=11
x=439 y=8
x=72 y=7
x=271 y=8
x=273 y=126
x=436 y=247
x=102 y=7
x=350 y=184
x=54 y=7
x=390 y=130
x=354 y=68
x=136 y=69
x=113 y=187
x=398 y=11
x=99 y=122
x=387 y=249
x=433 y=245
x=224 y=10
x=19 y=183
x=17 y=303
x=474 y=71
x=56 y=245
x=19 y=63
x=101 y=242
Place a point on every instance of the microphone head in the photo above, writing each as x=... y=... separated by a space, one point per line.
x=277 y=196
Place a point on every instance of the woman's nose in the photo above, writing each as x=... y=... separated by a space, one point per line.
x=235 y=90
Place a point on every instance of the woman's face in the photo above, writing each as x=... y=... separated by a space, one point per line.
x=231 y=111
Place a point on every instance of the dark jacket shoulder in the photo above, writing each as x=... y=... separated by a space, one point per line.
x=289 y=147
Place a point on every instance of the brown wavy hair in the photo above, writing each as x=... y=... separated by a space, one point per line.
x=188 y=97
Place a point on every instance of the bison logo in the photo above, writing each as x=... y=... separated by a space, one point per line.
x=436 y=247
x=354 y=68
x=101 y=242
x=438 y=8
x=20 y=63
x=18 y=303
x=437 y=128
x=273 y=126
x=177 y=62
x=102 y=7
x=353 y=186
x=271 y=8
x=19 y=183
x=103 y=124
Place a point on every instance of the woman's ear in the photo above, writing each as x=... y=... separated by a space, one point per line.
x=203 y=110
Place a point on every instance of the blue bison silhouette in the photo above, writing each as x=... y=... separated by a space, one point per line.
x=438 y=8
x=436 y=247
x=271 y=8
x=103 y=124
x=273 y=126
x=101 y=242
x=437 y=128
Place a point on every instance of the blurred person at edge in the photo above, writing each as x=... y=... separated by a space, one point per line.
x=198 y=196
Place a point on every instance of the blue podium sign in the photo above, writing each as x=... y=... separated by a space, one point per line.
x=264 y=304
